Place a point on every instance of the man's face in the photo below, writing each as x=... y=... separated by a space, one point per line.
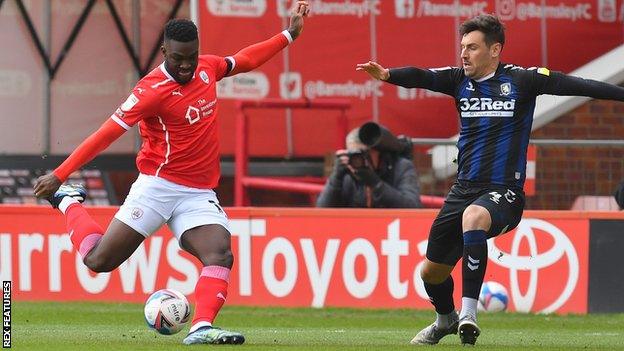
x=477 y=58
x=181 y=59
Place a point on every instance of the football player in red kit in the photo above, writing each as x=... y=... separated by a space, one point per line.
x=176 y=108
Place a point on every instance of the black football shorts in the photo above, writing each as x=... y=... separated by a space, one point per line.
x=446 y=242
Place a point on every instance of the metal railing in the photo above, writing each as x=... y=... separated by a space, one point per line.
x=568 y=173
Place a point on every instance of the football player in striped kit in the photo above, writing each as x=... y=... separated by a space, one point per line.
x=496 y=103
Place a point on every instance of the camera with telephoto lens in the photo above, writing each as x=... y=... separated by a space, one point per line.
x=378 y=137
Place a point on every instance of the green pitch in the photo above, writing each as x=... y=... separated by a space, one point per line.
x=111 y=327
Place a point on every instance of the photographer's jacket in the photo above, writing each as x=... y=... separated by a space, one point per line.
x=398 y=187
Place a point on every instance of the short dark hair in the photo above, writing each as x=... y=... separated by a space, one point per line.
x=492 y=28
x=182 y=30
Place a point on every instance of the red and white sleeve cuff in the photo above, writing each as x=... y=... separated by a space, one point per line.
x=120 y=122
x=288 y=36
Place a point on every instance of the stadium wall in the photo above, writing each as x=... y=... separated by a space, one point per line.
x=319 y=257
x=51 y=114
x=564 y=173
x=423 y=33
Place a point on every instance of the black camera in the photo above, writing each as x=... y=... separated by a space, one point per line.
x=357 y=158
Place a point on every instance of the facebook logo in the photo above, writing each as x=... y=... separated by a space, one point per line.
x=404 y=8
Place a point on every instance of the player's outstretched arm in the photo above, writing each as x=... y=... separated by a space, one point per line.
x=257 y=54
x=47 y=184
x=374 y=70
x=408 y=77
x=557 y=83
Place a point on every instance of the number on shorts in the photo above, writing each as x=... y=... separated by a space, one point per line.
x=495 y=197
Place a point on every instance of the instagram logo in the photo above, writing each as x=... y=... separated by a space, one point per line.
x=506 y=9
x=607 y=11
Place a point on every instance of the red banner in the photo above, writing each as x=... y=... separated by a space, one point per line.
x=424 y=33
x=311 y=257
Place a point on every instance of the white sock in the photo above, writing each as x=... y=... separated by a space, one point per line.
x=444 y=320
x=65 y=202
x=469 y=308
x=199 y=325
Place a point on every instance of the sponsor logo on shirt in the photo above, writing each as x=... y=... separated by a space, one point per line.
x=486 y=107
x=129 y=103
x=202 y=109
x=544 y=71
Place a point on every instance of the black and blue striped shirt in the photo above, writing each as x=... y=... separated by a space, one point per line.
x=496 y=113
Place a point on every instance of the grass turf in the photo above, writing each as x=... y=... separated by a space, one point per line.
x=52 y=326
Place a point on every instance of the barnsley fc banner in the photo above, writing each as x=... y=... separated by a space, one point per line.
x=423 y=33
x=303 y=257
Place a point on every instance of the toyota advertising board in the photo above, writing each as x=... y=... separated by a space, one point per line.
x=304 y=257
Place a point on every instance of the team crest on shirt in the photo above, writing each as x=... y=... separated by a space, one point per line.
x=505 y=89
x=204 y=77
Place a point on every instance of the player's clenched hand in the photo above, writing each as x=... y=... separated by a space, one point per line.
x=374 y=69
x=299 y=11
x=46 y=185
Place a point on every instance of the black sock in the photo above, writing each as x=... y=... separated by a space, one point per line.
x=441 y=296
x=474 y=262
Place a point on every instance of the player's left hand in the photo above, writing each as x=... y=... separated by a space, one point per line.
x=46 y=185
x=374 y=69
x=299 y=11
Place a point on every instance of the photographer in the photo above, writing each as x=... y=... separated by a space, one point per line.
x=370 y=177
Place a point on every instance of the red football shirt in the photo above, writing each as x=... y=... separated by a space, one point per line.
x=178 y=124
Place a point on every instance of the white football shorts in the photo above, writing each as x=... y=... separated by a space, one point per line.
x=154 y=201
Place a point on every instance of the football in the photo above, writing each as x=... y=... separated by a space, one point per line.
x=493 y=297
x=167 y=311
